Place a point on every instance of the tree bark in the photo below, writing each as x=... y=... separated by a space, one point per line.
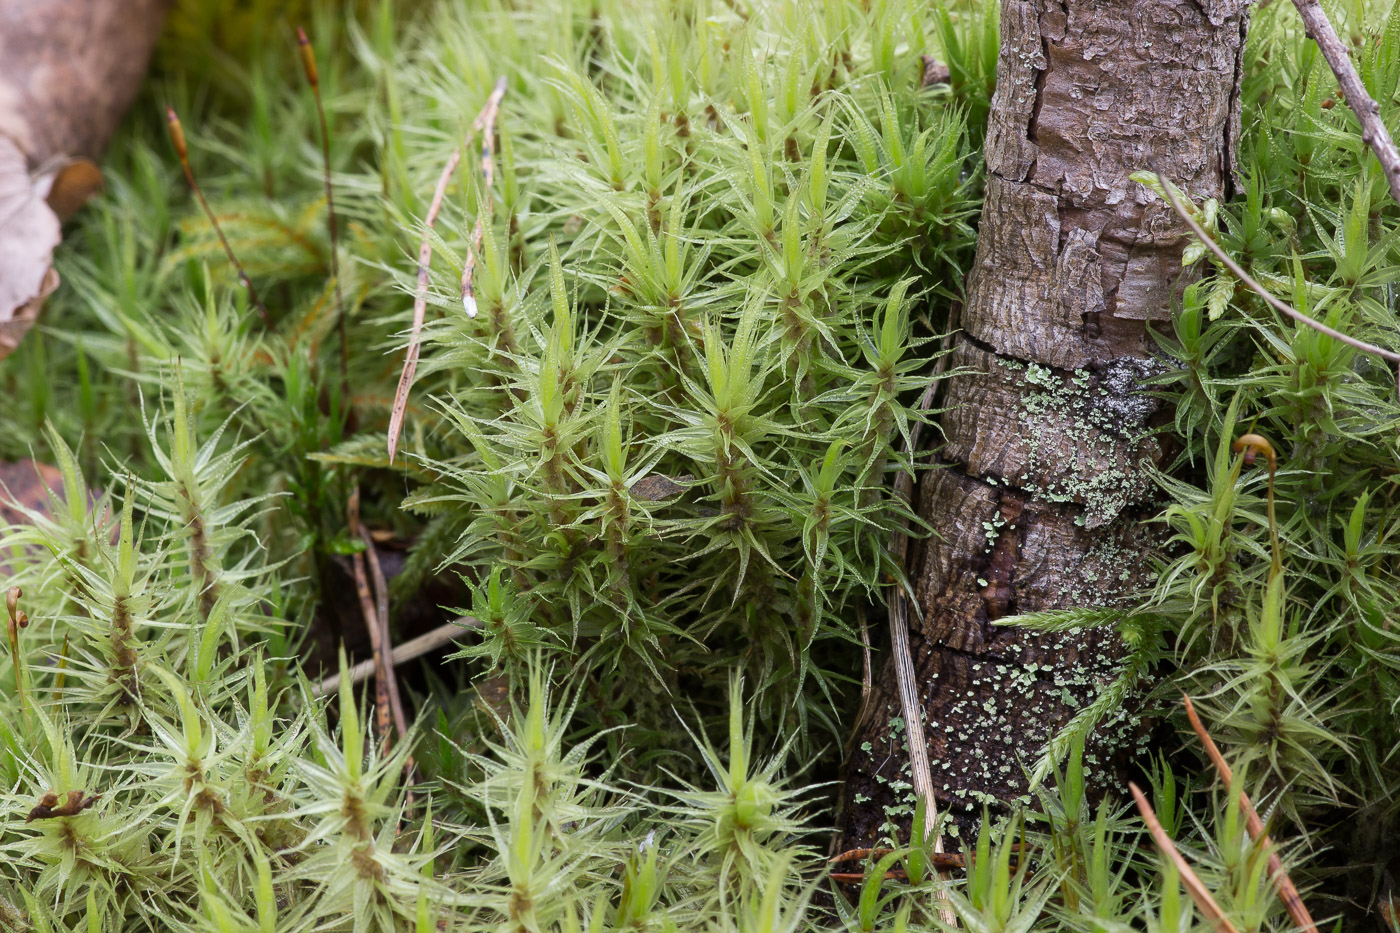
x=1040 y=485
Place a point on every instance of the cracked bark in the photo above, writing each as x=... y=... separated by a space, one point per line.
x=1041 y=483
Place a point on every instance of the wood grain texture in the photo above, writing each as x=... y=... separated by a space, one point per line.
x=1041 y=482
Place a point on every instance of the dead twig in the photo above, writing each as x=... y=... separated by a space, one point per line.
x=939 y=860
x=413 y=648
x=1198 y=891
x=1287 y=892
x=420 y=304
x=382 y=705
x=1368 y=112
x=486 y=125
x=420 y=297
x=386 y=642
x=1277 y=304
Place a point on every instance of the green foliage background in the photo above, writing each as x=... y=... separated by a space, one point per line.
x=723 y=250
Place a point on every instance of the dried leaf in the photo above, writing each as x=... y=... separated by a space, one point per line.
x=935 y=72
x=28 y=234
x=25 y=484
x=658 y=486
x=71 y=185
x=49 y=808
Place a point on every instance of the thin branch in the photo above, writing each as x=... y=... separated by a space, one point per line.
x=1277 y=304
x=1287 y=892
x=382 y=705
x=1198 y=891
x=386 y=642
x=486 y=125
x=903 y=660
x=402 y=654
x=1368 y=112
x=420 y=297
x=386 y=683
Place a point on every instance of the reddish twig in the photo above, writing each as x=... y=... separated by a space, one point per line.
x=857 y=877
x=420 y=305
x=486 y=125
x=383 y=662
x=1287 y=892
x=939 y=859
x=382 y=712
x=1277 y=304
x=1198 y=891
x=420 y=297
x=1368 y=112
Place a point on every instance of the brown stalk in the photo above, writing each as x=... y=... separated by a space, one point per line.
x=387 y=705
x=382 y=705
x=1287 y=892
x=17 y=620
x=1198 y=891
x=177 y=138
x=1368 y=112
x=485 y=124
x=1277 y=304
x=420 y=298
x=308 y=65
x=383 y=659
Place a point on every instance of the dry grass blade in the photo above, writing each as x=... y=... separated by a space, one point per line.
x=1277 y=304
x=867 y=672
x=1287 y=892
x=420 y=298
x=1198 y=891
x=1368 y=112
x=920 y=772
x=486 y=125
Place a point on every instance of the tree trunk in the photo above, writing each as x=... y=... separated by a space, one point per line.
x=1041 y=481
